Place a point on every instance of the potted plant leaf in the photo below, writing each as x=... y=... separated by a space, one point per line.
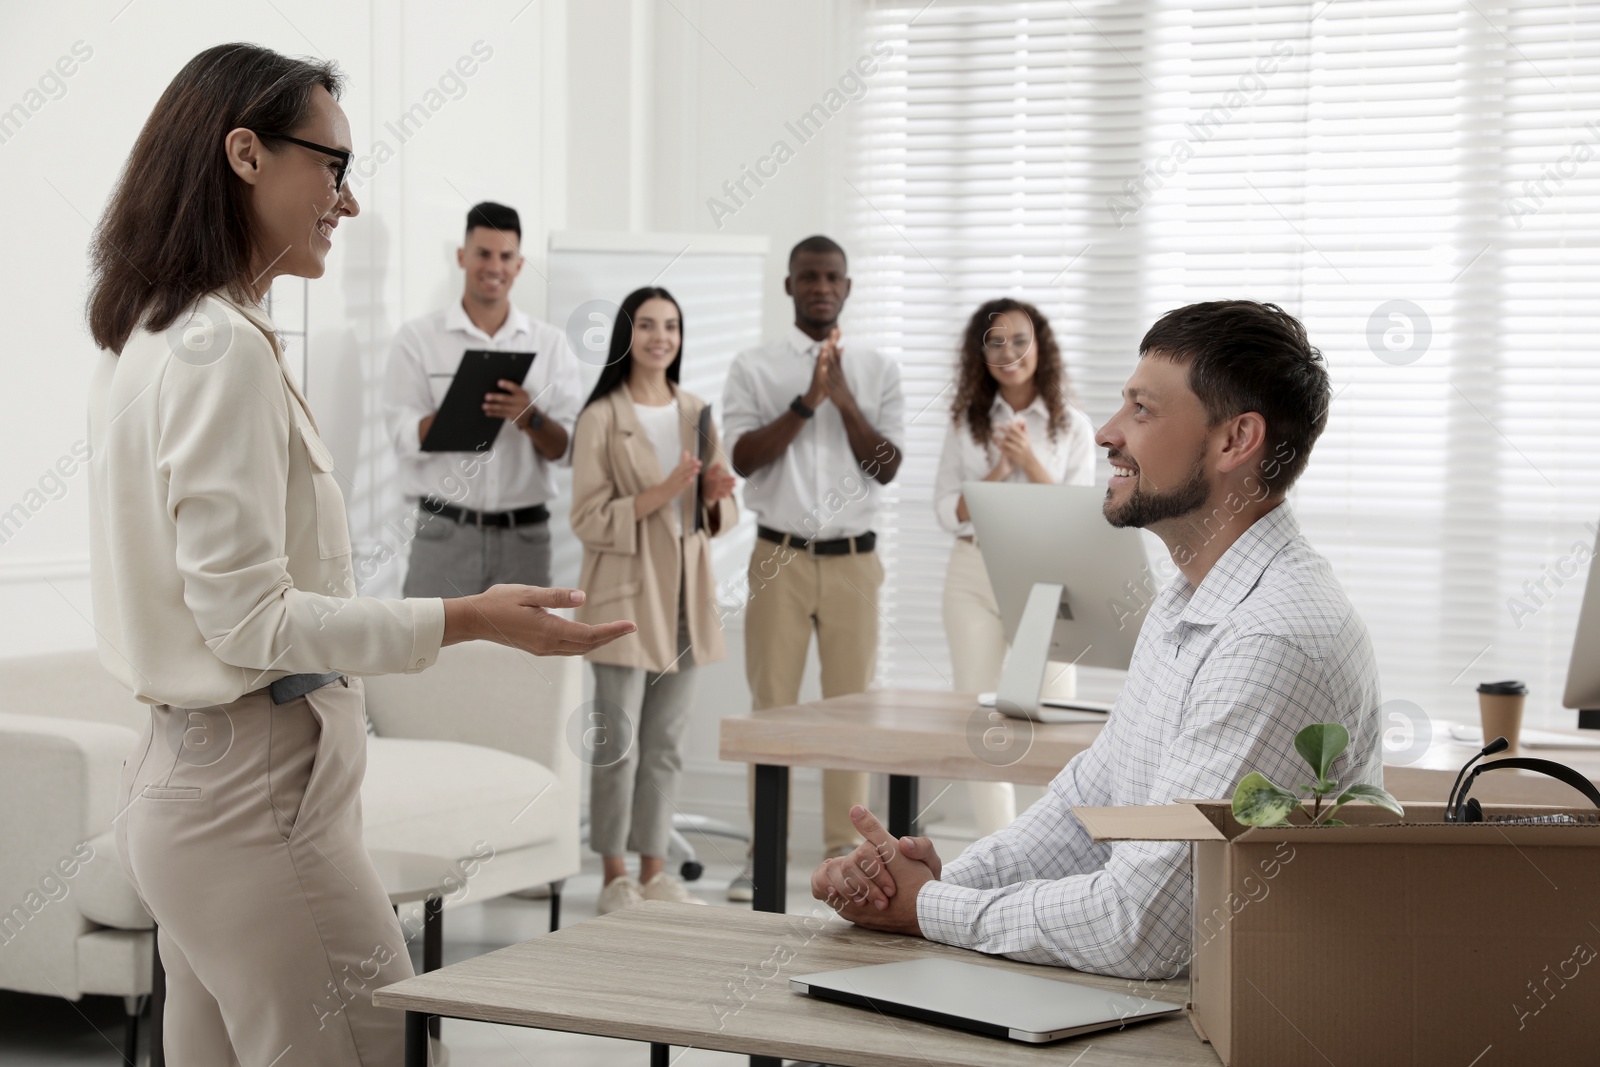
x=1259 y=802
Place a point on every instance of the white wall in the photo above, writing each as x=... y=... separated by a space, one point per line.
x=722 y=78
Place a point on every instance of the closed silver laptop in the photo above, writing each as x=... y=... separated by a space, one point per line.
x=986 y=1000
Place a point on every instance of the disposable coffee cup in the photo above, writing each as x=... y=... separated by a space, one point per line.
x=1500 y=707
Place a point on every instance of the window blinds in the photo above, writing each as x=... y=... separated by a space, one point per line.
x=1415 y=179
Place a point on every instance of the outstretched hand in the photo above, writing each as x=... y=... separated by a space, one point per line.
x=876 y=886
x=519 y=616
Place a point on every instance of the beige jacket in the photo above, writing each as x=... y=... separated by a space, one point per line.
x=219 y=554
x=632 y=568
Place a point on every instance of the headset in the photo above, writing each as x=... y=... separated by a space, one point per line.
x=1459 y=809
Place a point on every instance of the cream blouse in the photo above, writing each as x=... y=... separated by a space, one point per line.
x=219 y=548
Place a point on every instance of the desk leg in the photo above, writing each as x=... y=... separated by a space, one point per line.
x=902 y=805
x=660 y=1055
x=158 y=1001
x=770 y=849
x=432 y=945
x=416 y=1039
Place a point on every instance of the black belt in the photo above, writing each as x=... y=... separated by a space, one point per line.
x=293 y=686
x=840 y=546
x=520 y=517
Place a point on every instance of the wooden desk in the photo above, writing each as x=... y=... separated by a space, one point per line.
x=718 y=978
x=904 y=733
x=907 y=733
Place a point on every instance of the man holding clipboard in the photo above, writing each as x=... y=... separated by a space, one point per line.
x=481 y=484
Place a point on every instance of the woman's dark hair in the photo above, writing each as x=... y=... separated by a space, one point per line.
x=1244 y=356
x=178 y=226
x=619 y=360
x=976 y=387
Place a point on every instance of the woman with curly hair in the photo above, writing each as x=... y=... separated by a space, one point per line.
x=1010 y=422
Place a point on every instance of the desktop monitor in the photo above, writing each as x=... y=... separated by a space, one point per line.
x=1070 y=586
x=1583 y=672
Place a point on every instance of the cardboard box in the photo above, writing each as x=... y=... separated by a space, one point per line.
x=1386 y=941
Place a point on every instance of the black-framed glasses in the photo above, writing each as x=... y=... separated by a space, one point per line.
x=337 y=153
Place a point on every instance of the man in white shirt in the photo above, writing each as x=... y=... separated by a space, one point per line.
x=1252 y=642
x=481 y=517
x=814 y=430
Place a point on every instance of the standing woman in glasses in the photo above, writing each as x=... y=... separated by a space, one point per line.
x=1010 y=422
x=223 y=589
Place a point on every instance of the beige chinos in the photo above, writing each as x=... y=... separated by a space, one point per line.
x=791 y=592
x=241 y=832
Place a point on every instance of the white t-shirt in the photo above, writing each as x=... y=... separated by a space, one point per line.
x=662 y=425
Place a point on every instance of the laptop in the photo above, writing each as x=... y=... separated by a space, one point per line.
x=1053 y=710
x=984 y=1000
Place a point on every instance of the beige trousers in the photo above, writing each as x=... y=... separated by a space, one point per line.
x=977 y=653
x=241 y=832
x=792 y=593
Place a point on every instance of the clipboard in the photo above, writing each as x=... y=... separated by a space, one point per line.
x=460 y=424
x=703 y=435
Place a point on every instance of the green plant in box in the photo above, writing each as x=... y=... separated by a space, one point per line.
x=1259 y=802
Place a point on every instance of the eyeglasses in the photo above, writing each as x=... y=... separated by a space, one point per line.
x=337 y=153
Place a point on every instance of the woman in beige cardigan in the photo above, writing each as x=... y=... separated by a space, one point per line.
x=224 y=587
x=645 y=512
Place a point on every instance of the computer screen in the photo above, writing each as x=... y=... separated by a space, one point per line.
x=1583 y=672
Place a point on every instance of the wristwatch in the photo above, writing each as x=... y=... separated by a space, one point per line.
x=536 y=420
x=798 y=406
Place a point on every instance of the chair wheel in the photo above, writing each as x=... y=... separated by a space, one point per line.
x=691 y=871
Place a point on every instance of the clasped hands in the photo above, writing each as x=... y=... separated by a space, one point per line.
x=827 y=377
x=876 y=886
x=1016 y=453
x=715 y=481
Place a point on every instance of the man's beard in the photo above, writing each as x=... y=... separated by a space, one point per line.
x=1143 y=509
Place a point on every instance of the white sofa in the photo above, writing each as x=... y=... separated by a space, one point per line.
x=471 y=751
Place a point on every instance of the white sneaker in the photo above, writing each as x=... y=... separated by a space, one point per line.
x=742 y=890
x=619 y=893
x=665 y=887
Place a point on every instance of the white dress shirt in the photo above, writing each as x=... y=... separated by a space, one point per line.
x=1068 y=459
x=1222 y=678
x=426 y=353
x=816 y=489
x=219 y=549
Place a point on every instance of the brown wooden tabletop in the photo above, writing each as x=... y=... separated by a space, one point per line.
x=927 y=733
x=718 y=978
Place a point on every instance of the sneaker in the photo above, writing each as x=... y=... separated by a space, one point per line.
x=665 y=887
x=619 y=893
x=742 y=890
